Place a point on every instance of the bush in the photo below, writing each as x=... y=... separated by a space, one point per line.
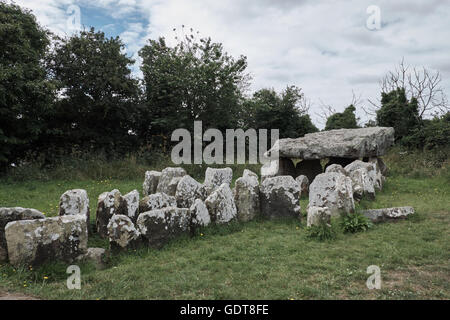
x=321 y=232
x=355 y=222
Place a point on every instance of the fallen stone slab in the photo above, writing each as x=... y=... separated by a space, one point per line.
x=8 y=215
x=150 y=182
x=73 y=202
x=157 y=201
x=33 y=242
x=387 y=214
x=280 y=197
x=157 y=227
x=340 y=143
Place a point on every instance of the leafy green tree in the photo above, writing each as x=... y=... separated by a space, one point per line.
x=194 y=80
x=97 y=93
x=343 y=120
x=286 y=111
x=397 y=112
x=432 y=134
x=25 y=93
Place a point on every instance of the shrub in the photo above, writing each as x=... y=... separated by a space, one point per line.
x=321 y=232
x=355 y=222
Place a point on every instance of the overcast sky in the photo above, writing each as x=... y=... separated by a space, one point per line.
x=325 y=47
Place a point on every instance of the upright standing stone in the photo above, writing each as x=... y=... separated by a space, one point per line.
x=246 y=196
x=74 y=202
x=333 y=190
x=33 y=242
x=280 y=197
x=369 y=168
x=108 y=204
x=14 y=214
x=303 y=182
x=188 y=190
x=214 y=178
x=169 y=180
x=151 y=182
x=199 y=214
x=221 y=205
x=129 y=205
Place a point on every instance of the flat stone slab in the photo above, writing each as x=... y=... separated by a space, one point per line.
x=340 y=143
x=386 y=214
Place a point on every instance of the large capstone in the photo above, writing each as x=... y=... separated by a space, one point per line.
x=157 y=227
x=309 y=168
x=199 y=214
x=169 y=180
x=74 y=202
x=246 y=196
x=188 y=190
x=280 y=197
x=33 y=242
x=333 y=190
x=340 y=143
x=156 y=201
x=387 y=214
x=122 y=233
x=221 y=206
x=150 y=182
x=14 y=214
x=214 y=178
x=108 y=204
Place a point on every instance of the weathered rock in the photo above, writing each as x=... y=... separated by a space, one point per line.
x=333 y=190
x=33 y=242
x=336 y=168
x=363 y=185
x=246 y=196
x=98 y=256
x=169 y=180
x=122 y=233
x=381 y=171
x=108 y=204
x=156 y=201
x=340 y=143
x=73 y=202
x=151 y=182
x=160 y=226
x=280 y=197
x=188 y=190
x=129 y=205
x=370 y=169
x=199 y=214
x=215 y=177
x=303 y=182
x=309 y=168
x=280 y=167
x=386 y=214
x=221 y=206
x=14 y=214
x=318 y=216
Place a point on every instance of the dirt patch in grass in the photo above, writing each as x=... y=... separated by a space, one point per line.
x=15 y=296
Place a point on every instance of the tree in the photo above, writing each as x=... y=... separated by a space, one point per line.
x=194 y=80
x=343 y=120
x=98 y=95
x=397 y=112
x=287 y=112
x=25 y=93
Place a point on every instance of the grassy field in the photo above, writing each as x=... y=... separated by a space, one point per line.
x=261 y=259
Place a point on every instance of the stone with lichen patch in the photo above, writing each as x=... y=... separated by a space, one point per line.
x=160 y=226
x=303 y=182
x=199 y=214
x=387 y=214
x=188 y=190
x=280 y=197
x=129 y=205
x=122 y=233
x=156 y=201
x=108 y=204
x=33 y=242
x=246 y=196
x=169 y=179
x=13 y=214
x=215 y=177
x=221 y=205
x=73 y=202
x=150 y=182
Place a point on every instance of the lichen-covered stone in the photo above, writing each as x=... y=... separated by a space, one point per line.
x=13 y=214
x=98 y=256
x=108 y=204
x=157 y=227
x=221 y=206
x=214 y=178
x=336 y=168
x=169 y=180
x=122 y=233
x=387 y=214
x=370 y=169
x=317 y=216
x=199 y=214
x=246 y=196
x=363 y=185
x=129 y=205
x=333 y=190
x=150 y=182
x=188 y=190
x=73 y=202
x=156 y=201
x=33 y=242
x=303 y=182
x=280 y=197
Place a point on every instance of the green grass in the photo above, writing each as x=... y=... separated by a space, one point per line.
x=260 y=259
